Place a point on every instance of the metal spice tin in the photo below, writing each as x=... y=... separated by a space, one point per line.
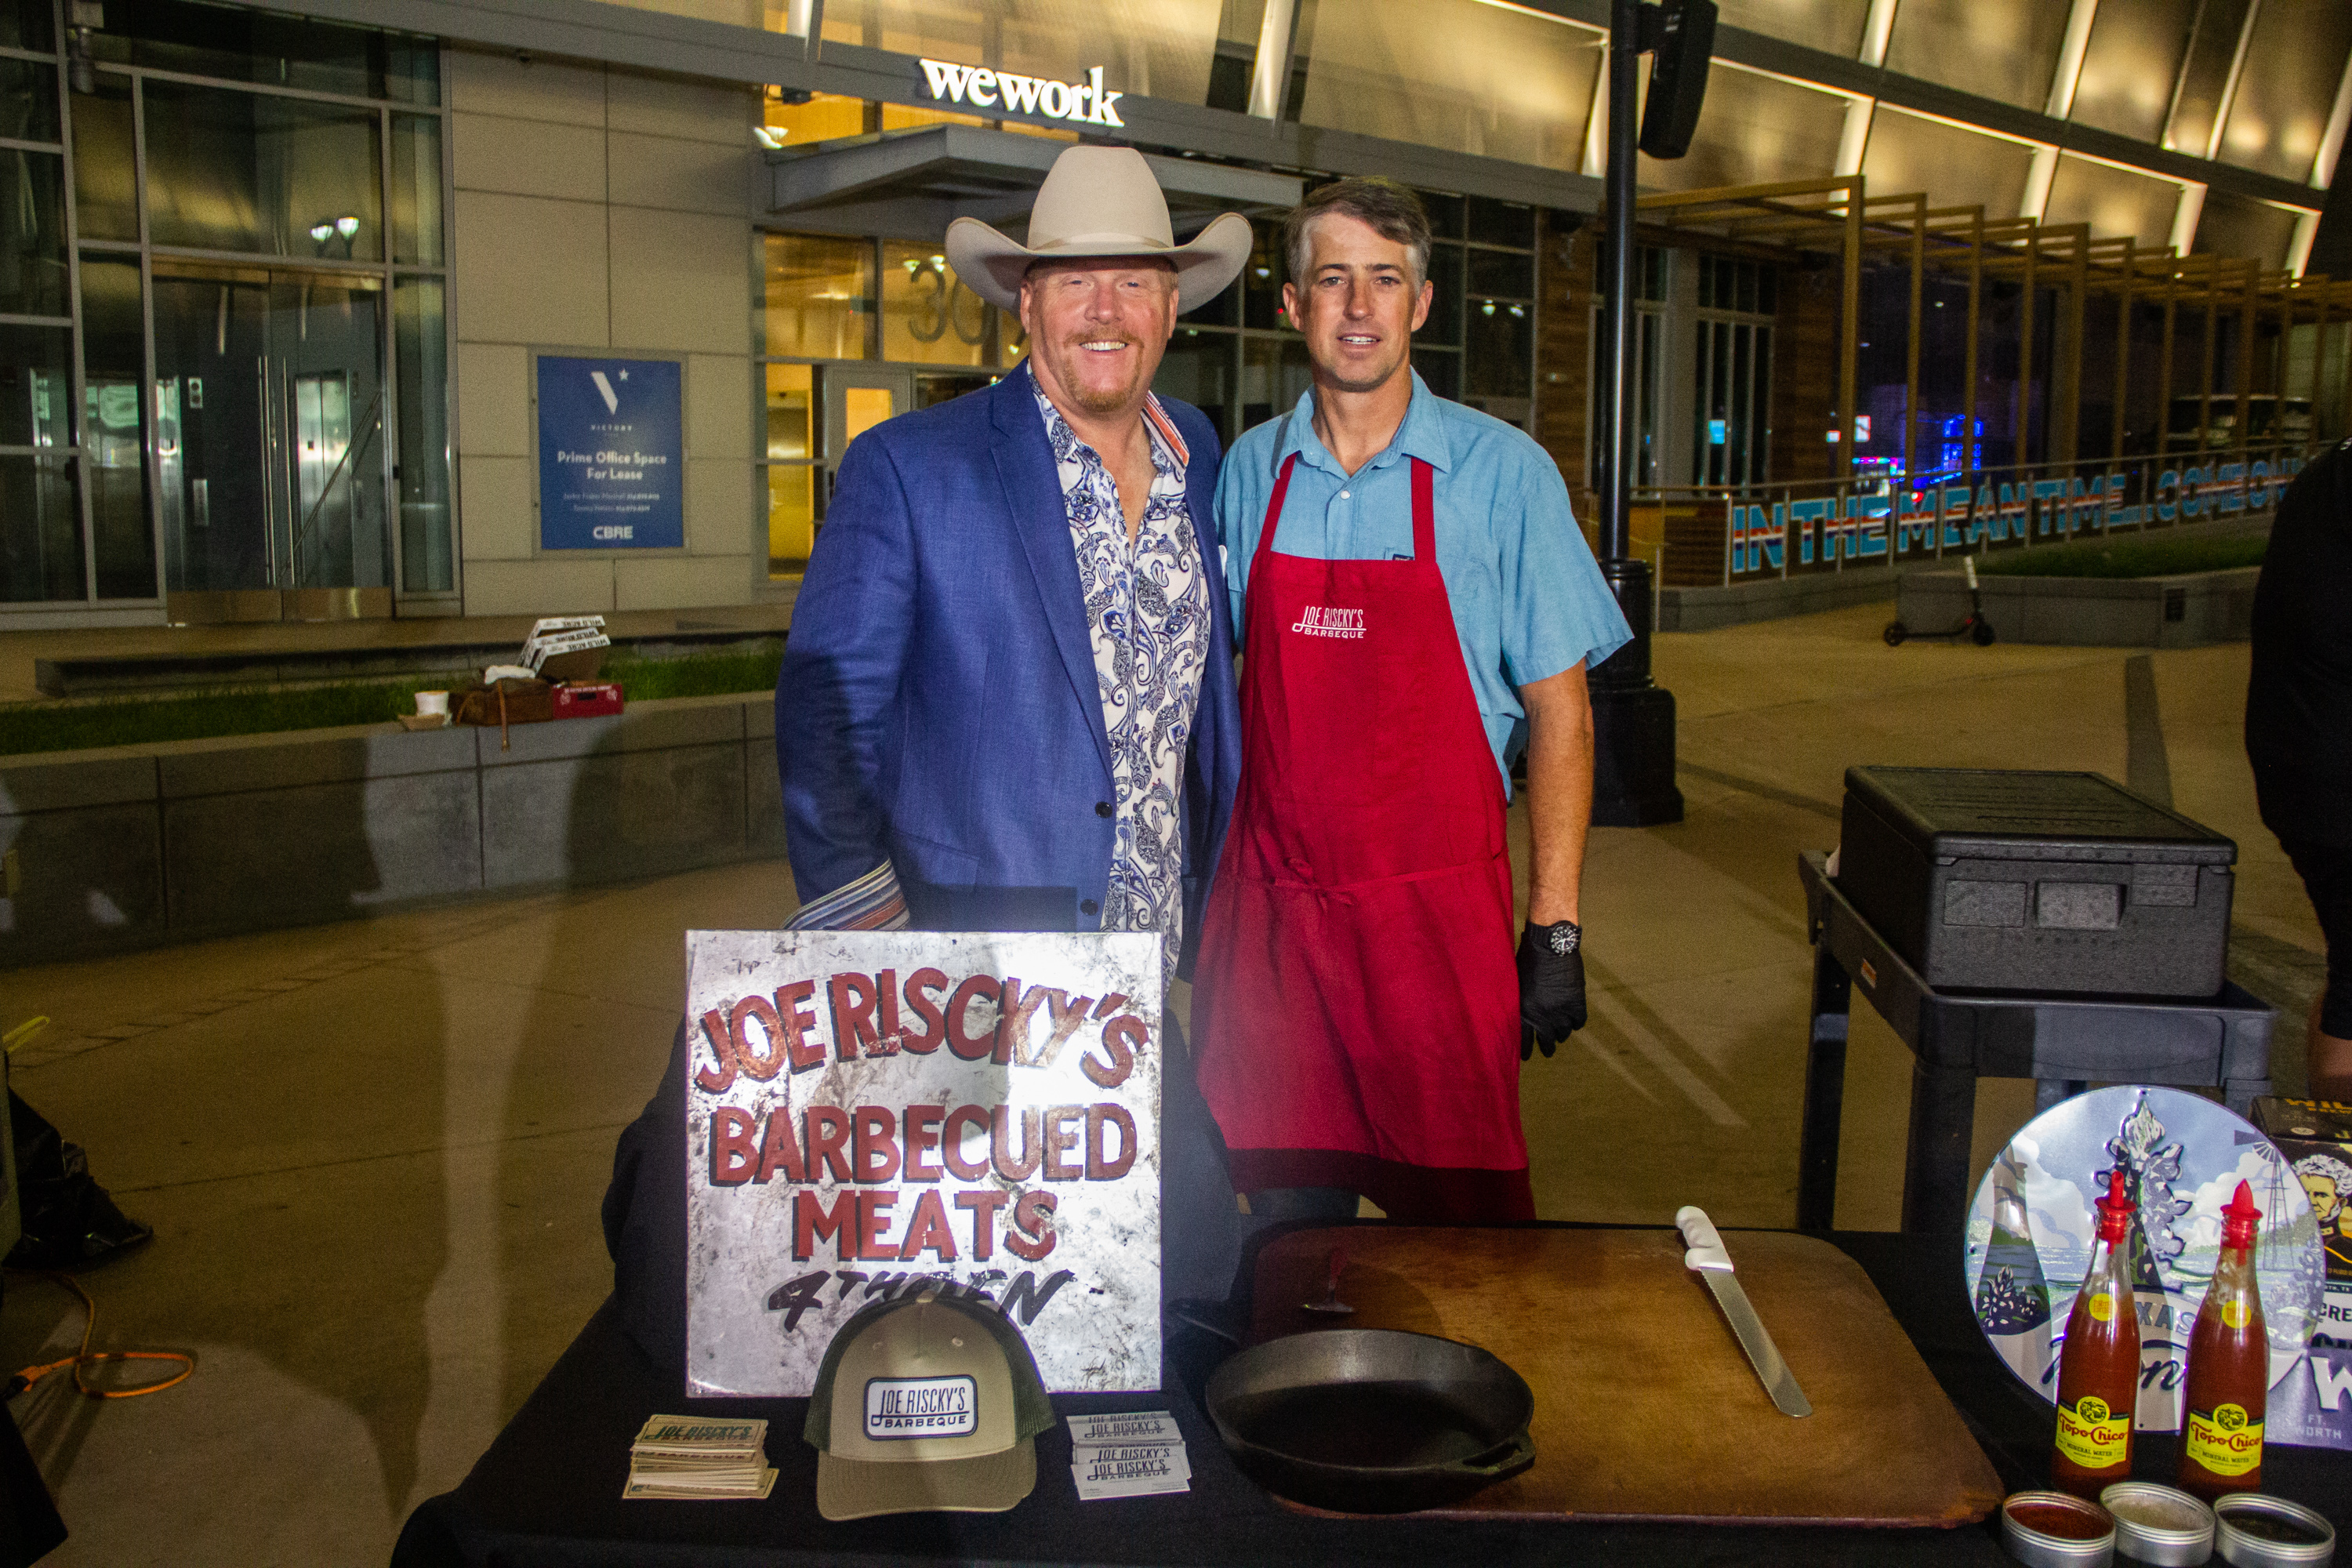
x=2090 y=1544
x=2159 y=1524
x=2247 y=1524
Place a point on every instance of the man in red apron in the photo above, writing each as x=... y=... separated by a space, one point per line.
x=1415 y=602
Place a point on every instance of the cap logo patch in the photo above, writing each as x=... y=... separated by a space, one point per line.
x=900 y=1407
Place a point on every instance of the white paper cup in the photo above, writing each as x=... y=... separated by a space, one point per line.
x=429 y=702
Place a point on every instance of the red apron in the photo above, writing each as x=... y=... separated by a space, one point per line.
x=1357 y=1010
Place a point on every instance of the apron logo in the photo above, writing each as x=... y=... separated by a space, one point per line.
x=1329 y=621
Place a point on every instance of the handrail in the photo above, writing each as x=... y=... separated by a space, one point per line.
x=1875 y=483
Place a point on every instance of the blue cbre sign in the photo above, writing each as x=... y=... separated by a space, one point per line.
x=612 y=454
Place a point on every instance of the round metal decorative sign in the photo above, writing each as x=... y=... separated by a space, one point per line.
x=2031 y=1228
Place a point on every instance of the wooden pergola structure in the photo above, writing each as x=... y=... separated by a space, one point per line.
x=1839 y=215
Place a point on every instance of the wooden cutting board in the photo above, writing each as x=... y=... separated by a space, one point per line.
x=1645 y=1407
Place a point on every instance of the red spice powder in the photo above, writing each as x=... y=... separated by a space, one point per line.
x=2056 y=1518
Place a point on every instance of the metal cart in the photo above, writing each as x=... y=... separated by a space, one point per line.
x=2062 y=1043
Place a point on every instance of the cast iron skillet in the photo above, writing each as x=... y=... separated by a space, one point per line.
x=1372 y=1420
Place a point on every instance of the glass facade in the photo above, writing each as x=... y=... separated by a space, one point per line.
x=2003 y=50
x=847 y=334
x=2129 y=68
x=1731 y=439
x=1833 y=27
x=1507 y=84
x=2286 y=86
x=2237 y=226
x=1963 y=168
x=1755 y=128
x=41 y=556
x=2117 y=203
x=239 y=380
x=2203 y=81
x=1645 y=398
x=2246 y=82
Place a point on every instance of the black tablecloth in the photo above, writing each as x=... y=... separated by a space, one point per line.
x=548 y=1490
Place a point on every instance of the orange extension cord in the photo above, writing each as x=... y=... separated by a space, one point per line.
x=85 y=1357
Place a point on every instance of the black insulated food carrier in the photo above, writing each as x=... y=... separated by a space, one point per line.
x=2054 y=883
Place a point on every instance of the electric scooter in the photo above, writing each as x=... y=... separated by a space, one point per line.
x=1976 y=629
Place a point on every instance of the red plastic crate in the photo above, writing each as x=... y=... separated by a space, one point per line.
x=584 y=699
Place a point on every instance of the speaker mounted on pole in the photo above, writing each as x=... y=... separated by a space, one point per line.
x=1681 y=36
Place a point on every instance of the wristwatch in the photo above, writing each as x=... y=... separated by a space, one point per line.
x=1563 y=939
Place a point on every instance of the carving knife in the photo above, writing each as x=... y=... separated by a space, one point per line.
x=1711 y=1262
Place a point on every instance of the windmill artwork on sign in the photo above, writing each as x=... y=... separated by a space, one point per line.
x=2031 y=1228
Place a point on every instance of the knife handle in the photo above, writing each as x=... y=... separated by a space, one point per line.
x=1705 y=1247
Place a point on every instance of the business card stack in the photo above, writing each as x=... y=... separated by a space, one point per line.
x=1136 y=1455
x=685 y=1456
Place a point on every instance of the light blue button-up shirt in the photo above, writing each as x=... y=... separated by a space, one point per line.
x=1528 y=599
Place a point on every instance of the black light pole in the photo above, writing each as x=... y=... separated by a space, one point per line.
x=1633 y=715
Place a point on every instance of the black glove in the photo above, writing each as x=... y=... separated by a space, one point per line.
x=1551 y=986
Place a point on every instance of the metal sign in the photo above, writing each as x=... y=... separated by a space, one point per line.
x=2030 y=1229
x=871 y=1112
x=1953 y=513
x=1086 y=102
x=612 y=454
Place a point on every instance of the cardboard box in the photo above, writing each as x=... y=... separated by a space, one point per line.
x=2315 y=1136
x=577 y=664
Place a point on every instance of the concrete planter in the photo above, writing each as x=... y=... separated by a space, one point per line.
x=137 y=845
x=2185 y=610
x=1741 y=603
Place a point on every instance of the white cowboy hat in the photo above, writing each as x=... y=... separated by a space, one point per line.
x=1098 y=201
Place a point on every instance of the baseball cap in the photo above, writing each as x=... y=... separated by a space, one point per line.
x=926 y=1404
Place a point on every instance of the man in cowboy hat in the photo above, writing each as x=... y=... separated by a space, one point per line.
x=1007 y=700
x=1009 y=685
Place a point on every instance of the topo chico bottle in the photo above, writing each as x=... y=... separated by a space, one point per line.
x=2229 y=1368
x=2098 y=1366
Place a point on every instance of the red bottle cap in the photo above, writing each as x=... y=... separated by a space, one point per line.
x=2115 y=1209
x=2238 y=1219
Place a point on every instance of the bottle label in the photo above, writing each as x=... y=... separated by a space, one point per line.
x=2223 y=1440
x=2234 y=1313
x=2103 y=1306
x=2092 y=1436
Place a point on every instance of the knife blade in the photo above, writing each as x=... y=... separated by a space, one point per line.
x=1711 y=1262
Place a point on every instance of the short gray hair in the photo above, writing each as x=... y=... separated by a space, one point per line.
x=1387 y=208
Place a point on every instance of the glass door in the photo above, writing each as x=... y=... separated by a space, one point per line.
x=857 y=398
x=270 y=435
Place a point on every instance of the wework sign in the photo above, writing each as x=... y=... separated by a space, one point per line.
x=1084 y=102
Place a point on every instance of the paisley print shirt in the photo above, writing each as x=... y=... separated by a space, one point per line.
x=1148 y=619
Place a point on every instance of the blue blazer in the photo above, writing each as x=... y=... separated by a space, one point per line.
x=938 y=704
